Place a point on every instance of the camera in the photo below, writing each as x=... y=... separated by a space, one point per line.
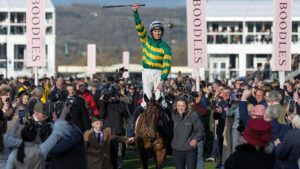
x=53 y=107
x=110 y=94
x=120 y=72
x=71 y=101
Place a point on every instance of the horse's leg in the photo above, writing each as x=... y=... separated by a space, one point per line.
x=142 y=153
x=160 y=157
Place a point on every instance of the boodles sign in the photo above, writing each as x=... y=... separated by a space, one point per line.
x=35 y=26
x=196 y=28
x=282 y=35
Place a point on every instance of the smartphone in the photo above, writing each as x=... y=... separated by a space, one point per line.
x=291 y=106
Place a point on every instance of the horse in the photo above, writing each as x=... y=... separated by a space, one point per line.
x=150 y=138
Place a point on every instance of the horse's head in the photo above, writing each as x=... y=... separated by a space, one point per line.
x=152 y=113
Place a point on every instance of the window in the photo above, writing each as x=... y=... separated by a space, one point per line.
x=17 y=30
x=3 y=30
x=49 y=18
x=223 y=65
x=215 y=65
x=3 y=17
x=19 y=57
x=3 y=54
x=18 y=17
x=3 y=51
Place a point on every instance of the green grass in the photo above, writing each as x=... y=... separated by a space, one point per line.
x=132 y=162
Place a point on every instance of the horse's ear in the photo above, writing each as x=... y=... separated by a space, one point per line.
x=146 y=98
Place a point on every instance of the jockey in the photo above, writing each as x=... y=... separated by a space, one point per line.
x=156 y=56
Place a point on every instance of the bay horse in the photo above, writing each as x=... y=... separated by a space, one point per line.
x=149 y=136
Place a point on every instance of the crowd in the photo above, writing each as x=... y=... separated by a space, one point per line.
x=87 y=123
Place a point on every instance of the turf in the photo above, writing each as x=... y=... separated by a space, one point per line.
x=132 y=162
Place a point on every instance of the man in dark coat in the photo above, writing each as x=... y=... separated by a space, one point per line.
x=114 y=113
x=79 y=112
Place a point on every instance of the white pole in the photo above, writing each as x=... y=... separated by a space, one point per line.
x=281 y=78
x=197 y=81
x=35 y=76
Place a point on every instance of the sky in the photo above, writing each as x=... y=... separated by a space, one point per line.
x=150 y=3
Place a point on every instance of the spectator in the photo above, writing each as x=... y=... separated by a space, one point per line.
x=274 y=99
x=202 y=113
x=98 y=145
x=80 y=116
x=8 y=142
x=37 y=94
x=289 y=149
x=30 y=155
x=114 y=114
x=58 y=93
x=220 y=115
x=69 y=151
x=253 y=154
x=96 y=93
x=92 y=107
x=188 y=131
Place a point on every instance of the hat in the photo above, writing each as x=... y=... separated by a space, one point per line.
x=258 y=132
x=259 y=110
x=39 y=107
x=94 y=84
x=132 y=86
x=82 y=84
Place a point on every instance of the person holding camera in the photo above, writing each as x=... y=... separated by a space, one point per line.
x=42 y=121
x=156 y=54
x=114 y=114
x=6 y=102
x=30 y=154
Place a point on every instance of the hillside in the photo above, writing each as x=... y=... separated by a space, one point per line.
x=113 y=31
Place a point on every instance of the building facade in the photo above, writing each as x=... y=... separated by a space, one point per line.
x=240 y=35
x=13 y=53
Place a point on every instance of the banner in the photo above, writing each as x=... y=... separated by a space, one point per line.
x=91 y=67
x=196 y=32
x=36 y=32
x=126 y=63
x=282 y=35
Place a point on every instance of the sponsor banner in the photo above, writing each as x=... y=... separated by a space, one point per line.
x=126 y=63
x=196 y=32
x=91 y=59
x=282 y=35
x=35 y=26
